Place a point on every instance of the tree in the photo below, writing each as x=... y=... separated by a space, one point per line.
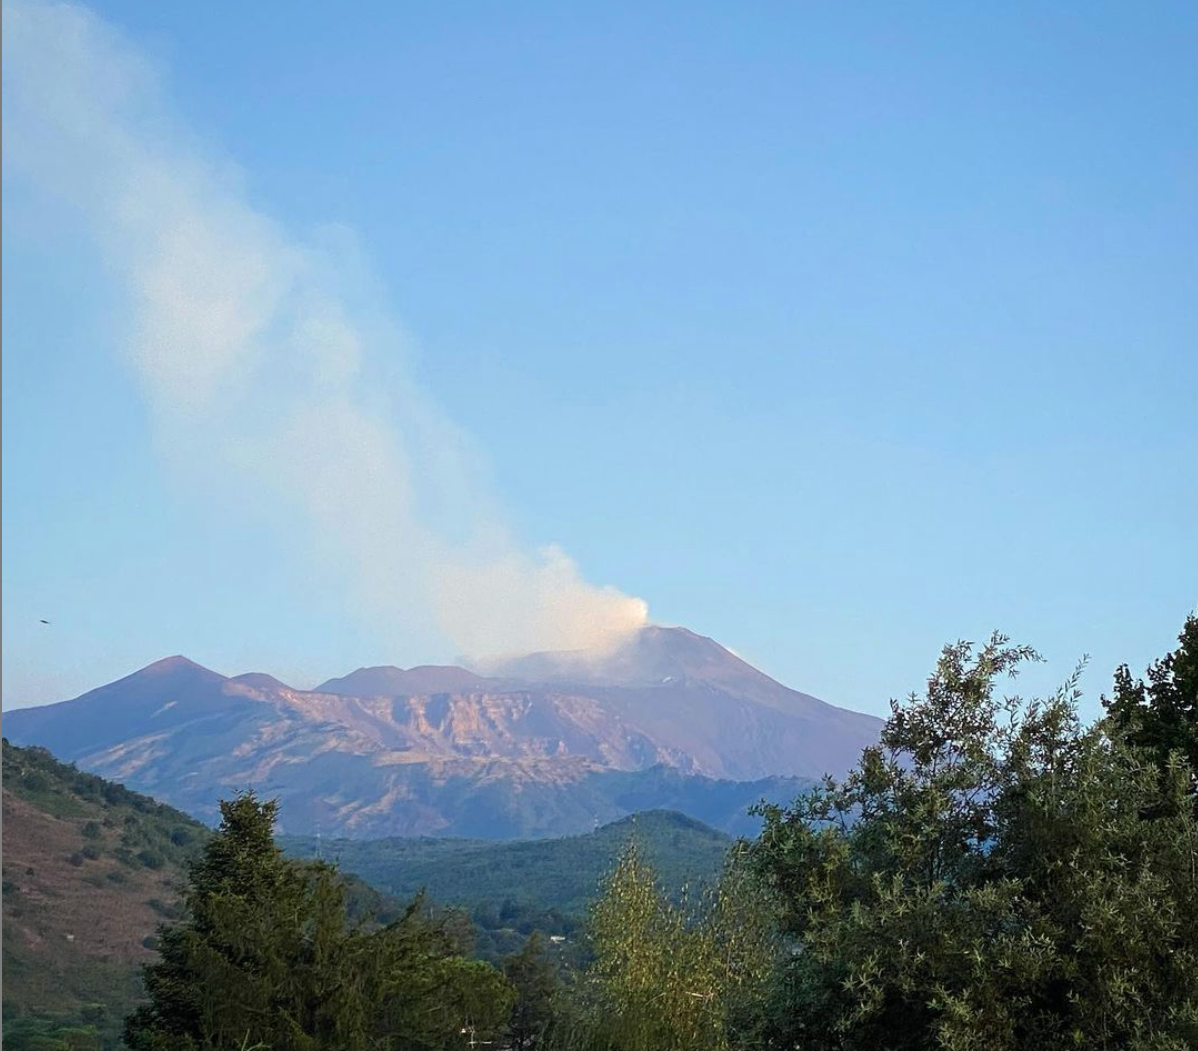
x=266 y=956
x=535 y=981
x=991 y=876
x=1162 y=716
x=667 y=975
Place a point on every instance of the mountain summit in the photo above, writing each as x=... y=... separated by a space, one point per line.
x=654 y=656
x=545 y=744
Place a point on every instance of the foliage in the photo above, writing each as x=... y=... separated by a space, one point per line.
x=990 y=877
x=535 y=980
x=1162 y=716
x=267 y=954
x=668 y=975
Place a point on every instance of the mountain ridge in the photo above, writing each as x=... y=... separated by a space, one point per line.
x=440 y=749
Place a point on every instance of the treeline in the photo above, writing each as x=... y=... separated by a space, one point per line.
x=994 y=876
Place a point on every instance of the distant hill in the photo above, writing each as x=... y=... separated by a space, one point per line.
x=540 y=875
x=549 y=744
x=90 y=871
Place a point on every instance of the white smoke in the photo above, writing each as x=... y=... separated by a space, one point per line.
x=265 y=362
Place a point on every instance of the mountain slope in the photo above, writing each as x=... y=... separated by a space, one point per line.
x=551 y=874
x=389 y=681
x=534 y=750
x=90 y=870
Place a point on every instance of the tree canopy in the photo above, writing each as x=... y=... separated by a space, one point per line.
x=267 y=957
x=992 y=876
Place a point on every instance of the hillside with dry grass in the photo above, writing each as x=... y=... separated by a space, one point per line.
x=90 y=871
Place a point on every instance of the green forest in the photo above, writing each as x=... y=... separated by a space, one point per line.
x=552 y=880
x=994 y=875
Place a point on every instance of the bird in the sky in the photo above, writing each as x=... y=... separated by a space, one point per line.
x=45 y=622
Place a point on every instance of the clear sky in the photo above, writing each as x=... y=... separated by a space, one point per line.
x=833 y=331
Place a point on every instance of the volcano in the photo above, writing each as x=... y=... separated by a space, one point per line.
x=545 y=744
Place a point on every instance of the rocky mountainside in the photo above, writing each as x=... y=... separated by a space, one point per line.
x=546 y=745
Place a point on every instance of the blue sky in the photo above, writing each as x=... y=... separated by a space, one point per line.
x=835 y=332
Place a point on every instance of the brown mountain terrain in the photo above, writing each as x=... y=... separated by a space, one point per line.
x=90 y=871
x=531 y=749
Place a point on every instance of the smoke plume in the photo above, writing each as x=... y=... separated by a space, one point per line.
x=268 y=361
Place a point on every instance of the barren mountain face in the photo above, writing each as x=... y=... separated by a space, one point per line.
x=546 y=744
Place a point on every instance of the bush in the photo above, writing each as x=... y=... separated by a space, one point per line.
x=35 y=781
x=150 y=859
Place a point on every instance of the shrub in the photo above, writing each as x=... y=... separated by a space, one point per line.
x=150 y=859
x=35 y=781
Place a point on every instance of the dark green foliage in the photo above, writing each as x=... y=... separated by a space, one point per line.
x=534 y=977
x=267 y=955
x=991 y=877
x=151 y=859
x=1162 y=715
x=171 y=912
x=48 y=1035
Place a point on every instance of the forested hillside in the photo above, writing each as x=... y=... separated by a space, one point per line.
x=548 y=874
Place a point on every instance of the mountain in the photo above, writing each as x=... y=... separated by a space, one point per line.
x=389 y=681
x=545 y=745
x=548 y=874
x=90 y=870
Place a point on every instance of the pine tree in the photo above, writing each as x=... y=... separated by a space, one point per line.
x=537 y=985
